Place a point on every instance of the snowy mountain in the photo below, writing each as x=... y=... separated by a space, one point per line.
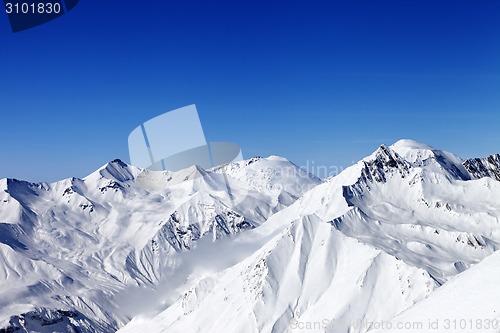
x=253 y=246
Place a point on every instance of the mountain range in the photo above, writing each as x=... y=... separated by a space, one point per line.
x=404 y=239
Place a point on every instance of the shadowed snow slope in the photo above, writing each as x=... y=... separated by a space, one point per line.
x=252 y=246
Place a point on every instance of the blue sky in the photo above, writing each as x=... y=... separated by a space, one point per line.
x=322 y=81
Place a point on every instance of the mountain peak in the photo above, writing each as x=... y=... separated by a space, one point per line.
x=276 y=158
x=119 y=162
x=191 y=172
x=116 y=170
x=413 y=151
x=382 y=161
x=420 y=154
x=410 y=144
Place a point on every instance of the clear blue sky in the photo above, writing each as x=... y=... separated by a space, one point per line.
x=322 y=81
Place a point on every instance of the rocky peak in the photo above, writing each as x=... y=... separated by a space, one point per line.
x=384 y=160
x=484 y=167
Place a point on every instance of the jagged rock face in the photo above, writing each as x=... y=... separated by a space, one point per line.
x=484 y=167
x=53 y=320
x=181 y=234
x=253 y=246
x=384 y=161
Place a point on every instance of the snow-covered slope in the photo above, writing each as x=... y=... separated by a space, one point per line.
x=307 y=273
x=253 y=246
x=468 y=303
